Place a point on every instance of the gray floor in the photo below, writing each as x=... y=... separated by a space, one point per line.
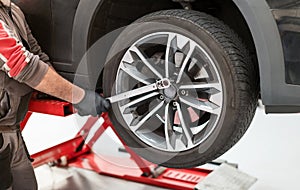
x=269 y=151
x=53 y=178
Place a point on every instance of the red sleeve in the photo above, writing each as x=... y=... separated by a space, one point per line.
x=18 y=62
x=13 y=55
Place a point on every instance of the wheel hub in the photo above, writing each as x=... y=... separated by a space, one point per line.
x=170 y=92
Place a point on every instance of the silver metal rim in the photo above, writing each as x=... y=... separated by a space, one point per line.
x=182 y=116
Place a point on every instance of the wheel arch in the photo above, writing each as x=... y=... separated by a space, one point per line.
x=86 y=25
x=81 y=28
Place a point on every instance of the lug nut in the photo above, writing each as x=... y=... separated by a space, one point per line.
x=174 y=104
x=183 y=92
x=161 y=97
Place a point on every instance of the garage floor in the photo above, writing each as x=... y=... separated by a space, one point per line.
x=78 y=179
x=269 y=151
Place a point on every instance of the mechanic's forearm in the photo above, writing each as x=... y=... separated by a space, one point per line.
x=55 y=85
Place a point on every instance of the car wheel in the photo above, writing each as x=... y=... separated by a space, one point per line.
x=212 y=95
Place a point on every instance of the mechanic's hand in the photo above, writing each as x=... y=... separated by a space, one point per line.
x=92 y=104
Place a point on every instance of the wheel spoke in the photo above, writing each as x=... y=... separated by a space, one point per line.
x=216 y=86
x=181 y=116
x=186 y=61
x=186 y=130
x=170 y=52
x=169 y=122
x=146 y=117
x=206 y=106
x=145 y=61
x=134 y=73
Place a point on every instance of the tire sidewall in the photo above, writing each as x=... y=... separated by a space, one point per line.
x=225 y=126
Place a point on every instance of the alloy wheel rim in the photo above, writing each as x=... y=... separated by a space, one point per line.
x=180 y=117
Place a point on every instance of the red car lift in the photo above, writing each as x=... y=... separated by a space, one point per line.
x=77 y=152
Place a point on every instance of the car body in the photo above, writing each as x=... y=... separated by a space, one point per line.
x=270 y=29
x=217 y=57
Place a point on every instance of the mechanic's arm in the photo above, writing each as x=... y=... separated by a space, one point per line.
x=55 y=85
x=86 y=102
x=25 y=67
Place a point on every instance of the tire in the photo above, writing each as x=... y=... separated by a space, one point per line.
x=230 y=104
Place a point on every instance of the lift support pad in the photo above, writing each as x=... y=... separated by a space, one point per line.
x=226 y=177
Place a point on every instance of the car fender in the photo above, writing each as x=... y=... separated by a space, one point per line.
x=81 y=28
x=274 y=90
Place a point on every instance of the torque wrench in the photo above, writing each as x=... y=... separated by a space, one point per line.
x=160 y=84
